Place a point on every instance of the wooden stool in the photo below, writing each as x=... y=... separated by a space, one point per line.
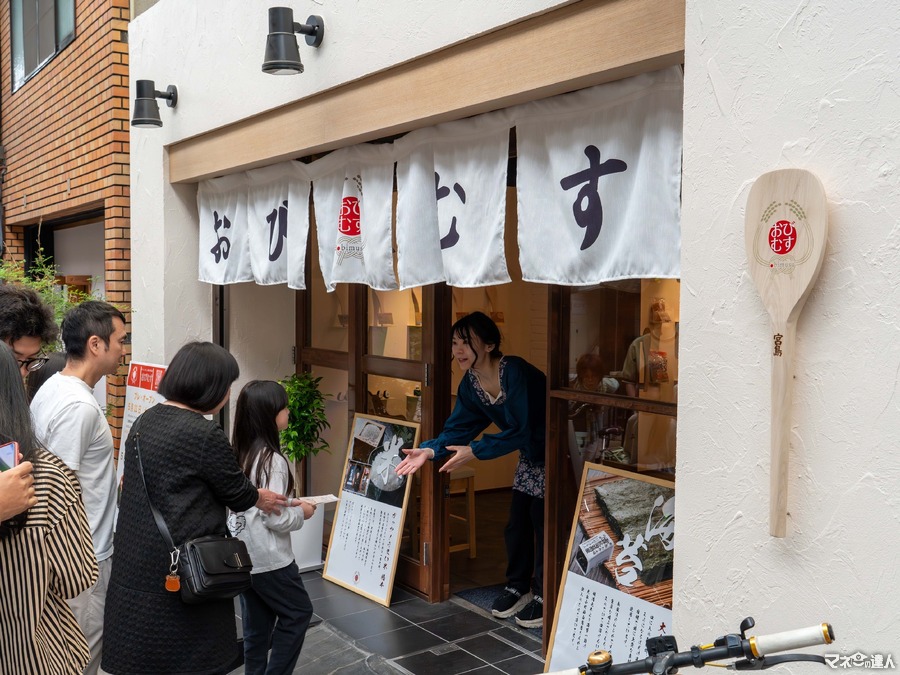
x=463 y=480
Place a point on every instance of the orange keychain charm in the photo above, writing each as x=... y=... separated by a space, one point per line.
x=173 y=581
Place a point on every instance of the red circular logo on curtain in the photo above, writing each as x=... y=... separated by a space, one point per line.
x=782 y=237
x=349 y=223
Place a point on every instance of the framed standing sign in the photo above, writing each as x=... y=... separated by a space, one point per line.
x=617 y=586
x=365 y=537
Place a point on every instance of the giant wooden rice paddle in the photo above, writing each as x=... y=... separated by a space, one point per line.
x=785 y=230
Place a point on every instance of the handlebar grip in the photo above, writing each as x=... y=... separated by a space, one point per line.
x=823 y=634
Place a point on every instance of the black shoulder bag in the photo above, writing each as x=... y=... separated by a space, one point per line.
x=213 y=567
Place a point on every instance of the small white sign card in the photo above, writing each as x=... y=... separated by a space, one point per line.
x=140 y=395
x=365 y=538
x=617 y=586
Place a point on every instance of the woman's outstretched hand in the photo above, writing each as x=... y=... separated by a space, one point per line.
x=270 y=502
x=415 y=458
x=461 y=455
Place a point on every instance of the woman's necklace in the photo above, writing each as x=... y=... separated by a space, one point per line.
x=490 y=378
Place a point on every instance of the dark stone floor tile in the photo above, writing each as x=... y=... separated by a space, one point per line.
x=525 y=639
x=368 y=623
x=458 y=626
x=521 y=665
x=446 y=663
x=399 y=595
x=318 y=588
x=417 y=610
x=489 y=648
x=332 y=606
x=400 y=642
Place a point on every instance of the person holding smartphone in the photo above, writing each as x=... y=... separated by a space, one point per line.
x=16 y=490
x=46 y=553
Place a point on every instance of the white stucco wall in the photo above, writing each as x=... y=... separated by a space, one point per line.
x=769 y=85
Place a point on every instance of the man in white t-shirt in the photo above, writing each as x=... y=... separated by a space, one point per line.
x=71 y=424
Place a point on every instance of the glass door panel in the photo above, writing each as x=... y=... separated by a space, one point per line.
x=395 y=324
x=327 y=467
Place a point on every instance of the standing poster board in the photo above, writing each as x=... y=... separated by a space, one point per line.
x=617 y=586
x=140 y=394
x=365 y=538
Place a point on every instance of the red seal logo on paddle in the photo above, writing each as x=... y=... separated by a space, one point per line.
x=782 y=237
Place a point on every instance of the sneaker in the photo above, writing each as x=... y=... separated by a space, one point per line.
x=532 y=615
x=509 y=602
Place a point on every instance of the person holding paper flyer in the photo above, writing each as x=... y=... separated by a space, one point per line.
x=509 y=392
x=276 y=611
x=183 y=464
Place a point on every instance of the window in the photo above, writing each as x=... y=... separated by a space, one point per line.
x=623 y=374
x=40 y=29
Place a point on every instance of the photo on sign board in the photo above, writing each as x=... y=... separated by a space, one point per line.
x=376 y=448
x=624 y=536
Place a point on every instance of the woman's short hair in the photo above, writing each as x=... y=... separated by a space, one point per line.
x=480 y=325
x=199 y=376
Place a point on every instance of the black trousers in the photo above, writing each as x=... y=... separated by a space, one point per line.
x=524 y=536
x=276 y=612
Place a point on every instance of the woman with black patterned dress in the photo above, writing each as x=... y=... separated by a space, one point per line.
x=192 y=476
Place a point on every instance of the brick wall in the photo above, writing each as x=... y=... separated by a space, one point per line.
x=65 y=132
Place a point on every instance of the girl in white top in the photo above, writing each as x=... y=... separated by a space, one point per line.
x=276 y=611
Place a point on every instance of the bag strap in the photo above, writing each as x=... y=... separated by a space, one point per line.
x=157 y=516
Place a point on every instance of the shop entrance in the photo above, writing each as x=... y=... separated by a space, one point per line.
x=387 y=353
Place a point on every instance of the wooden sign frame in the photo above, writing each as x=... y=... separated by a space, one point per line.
x=364 y=546
x=604 y=602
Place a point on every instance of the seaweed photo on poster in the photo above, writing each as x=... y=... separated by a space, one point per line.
x=624 y=537
x=617 y=586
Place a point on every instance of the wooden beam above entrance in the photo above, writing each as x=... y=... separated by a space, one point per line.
x=580 y=45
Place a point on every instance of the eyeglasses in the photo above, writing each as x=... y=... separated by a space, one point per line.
x=33 y=364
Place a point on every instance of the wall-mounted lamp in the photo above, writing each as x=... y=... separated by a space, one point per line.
x=146 y=111
x=282 y=54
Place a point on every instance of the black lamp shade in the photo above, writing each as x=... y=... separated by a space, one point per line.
x=146 y=110
x=282 y=54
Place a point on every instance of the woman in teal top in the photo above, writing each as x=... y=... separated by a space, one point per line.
x=510 y=393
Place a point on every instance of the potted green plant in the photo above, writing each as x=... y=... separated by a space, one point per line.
x=306 y=420
x=301 y=439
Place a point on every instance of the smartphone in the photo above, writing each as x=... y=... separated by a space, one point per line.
x=9 y=455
